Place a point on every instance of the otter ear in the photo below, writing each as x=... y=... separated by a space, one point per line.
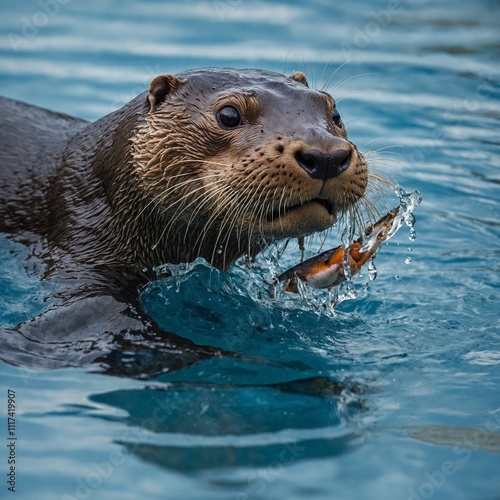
x=299 y=77
x=160 y=87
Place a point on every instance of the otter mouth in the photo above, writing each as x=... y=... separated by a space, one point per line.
x=327 y=205
x=303 y=219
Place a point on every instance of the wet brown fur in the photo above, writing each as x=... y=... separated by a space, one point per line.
x=160 y=180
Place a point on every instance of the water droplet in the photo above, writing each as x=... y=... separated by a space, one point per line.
x=347 y=236
x=413 y=235
x=220 y=250
x=396 y=276
x=351 y=292
x=410 y=220
x=334 y=297
x=408 y=260
x=372 y=270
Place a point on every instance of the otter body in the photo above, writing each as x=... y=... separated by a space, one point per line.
x=212 y=163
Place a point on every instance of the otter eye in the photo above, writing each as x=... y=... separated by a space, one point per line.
x=229 y=117
x=336 y=117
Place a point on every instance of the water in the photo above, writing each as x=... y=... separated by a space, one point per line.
x=393 y=395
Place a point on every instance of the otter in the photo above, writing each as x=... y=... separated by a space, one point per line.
x=213 y=163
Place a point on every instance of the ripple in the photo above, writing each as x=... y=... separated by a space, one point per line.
x=483 y=358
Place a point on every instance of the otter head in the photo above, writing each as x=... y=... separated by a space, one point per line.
x=236 y=159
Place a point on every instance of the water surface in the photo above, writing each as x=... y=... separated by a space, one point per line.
x=395 y=395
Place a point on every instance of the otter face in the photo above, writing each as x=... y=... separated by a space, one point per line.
x=246 y=155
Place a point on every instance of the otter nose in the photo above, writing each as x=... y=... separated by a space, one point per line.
x=323 y=165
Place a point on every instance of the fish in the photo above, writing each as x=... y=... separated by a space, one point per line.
x=326 y=270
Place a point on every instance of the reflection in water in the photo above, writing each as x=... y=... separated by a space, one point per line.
x=194 y=458
x=193 y=426
x=473 y=439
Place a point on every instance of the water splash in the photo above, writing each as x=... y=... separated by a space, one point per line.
x=258 y=277
x=372 y=270
x=347 y=290
x=408 y=201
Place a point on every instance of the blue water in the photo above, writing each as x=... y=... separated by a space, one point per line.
x=393 y=395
